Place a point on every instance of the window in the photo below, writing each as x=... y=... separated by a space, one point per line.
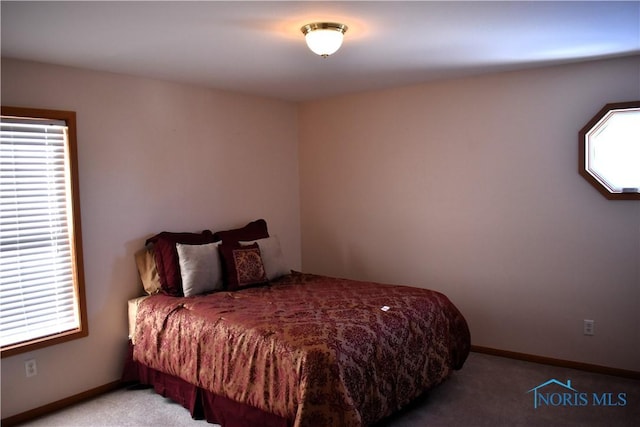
x=610 y=151
x=42 y=298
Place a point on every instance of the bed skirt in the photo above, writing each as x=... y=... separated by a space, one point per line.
x=201 y=403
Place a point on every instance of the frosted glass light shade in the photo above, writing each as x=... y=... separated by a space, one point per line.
x=324 y=38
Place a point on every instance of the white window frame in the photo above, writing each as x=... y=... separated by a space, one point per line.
x=13 y=267
x=617 y=177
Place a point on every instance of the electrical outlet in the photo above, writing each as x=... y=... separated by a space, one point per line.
x=588 y=327
x=30 y=368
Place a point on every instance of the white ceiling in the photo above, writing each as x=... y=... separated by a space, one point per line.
x=257 y=47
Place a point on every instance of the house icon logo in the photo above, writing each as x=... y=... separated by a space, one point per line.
x=555 y=399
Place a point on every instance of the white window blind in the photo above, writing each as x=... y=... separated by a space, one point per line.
x=37 y=289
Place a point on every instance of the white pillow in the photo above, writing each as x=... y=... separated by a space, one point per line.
x=272 y=257
x=199 y=268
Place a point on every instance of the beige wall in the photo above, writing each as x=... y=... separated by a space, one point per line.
x=153 y=156
x=467 y=186
x=471 y=187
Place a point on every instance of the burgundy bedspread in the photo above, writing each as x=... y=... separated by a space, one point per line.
x=318 y=351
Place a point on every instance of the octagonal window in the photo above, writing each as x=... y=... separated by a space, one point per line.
x=610 y=151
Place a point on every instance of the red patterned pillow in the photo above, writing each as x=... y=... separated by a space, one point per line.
x=253 y=231
x=166 y=256
x=243 y=266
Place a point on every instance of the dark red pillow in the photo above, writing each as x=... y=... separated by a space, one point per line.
x=166 y=257
x=253 y=231
x=243 y=266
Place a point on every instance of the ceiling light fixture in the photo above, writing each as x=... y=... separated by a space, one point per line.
x=324 y=38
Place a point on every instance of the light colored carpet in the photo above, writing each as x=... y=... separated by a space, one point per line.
x=488 y=391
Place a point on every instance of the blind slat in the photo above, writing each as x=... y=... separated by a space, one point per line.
x=37 y=291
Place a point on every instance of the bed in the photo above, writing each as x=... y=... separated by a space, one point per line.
x=297 y=349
